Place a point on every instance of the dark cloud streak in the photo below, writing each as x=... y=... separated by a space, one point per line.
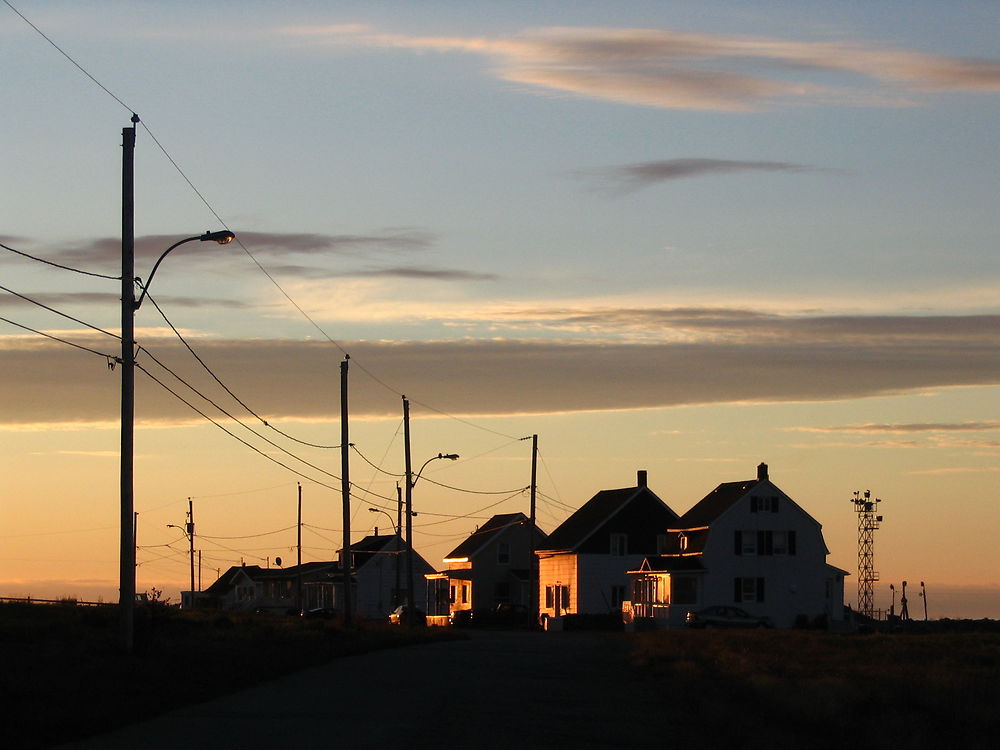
x=632 y=177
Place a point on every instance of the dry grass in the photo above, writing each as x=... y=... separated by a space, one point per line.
x=766 y=688
x=64 y=675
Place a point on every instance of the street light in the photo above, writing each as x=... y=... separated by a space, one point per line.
x=386 y=514
x=223 y=238
x=126 y=589
x=411 y=481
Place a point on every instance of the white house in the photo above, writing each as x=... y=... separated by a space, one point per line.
x=487 y=570
x=583 y=565
x=746 y=544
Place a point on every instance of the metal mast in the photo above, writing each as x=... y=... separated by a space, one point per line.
x=868 y=523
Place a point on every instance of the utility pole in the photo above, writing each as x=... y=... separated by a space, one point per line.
x=298 y=544
x=409 y=510
x=345 y=483
x=399 y=542
x=532 y=563
x=126 y=586
x=190 y=532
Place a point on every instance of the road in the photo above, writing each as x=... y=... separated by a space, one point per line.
x=495 y=690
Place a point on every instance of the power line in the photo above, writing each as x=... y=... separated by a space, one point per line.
x=224 y=386
x=256 y=262
x=59 y=312
x=66 y=55
x=236 y=419
x=244 y=442
x=59 y=265
x=110 y=357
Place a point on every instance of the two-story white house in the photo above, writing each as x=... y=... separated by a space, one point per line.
x=746 y=544
x=583 y=566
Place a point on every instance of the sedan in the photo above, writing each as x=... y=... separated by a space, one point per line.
x=725 y=617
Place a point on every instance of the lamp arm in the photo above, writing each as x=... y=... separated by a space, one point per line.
x=156 y=265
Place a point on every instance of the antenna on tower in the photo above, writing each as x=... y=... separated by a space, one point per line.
x=868 y=523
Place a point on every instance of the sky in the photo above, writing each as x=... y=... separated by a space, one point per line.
x=681 y=237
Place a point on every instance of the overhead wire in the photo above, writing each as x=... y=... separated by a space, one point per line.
x=59 y=265
x=225 y=387
x=246 y=250
x=59 y=312
x=110 y=357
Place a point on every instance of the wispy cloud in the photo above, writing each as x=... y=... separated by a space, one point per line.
x=905 y=428
x=631 y=177
x=678 y=70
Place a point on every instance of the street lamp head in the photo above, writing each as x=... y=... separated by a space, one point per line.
x=450 y=456
x=223 y=238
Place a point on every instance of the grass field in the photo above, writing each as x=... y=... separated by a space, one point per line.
x=750 y=689
x=64 y=675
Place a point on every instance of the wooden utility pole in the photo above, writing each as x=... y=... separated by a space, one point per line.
x=398 y=543
x=190 y=532
x=126 y=572
x=409 y=510
x=345 y=483
x=298 y=544
x=532 y=562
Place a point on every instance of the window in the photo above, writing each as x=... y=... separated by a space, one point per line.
x=684 y=589
x=745 y=543
x=780 y=545
x=748 y=589
x=503 y=553
x=683 y=539
x=767 y=504
x=465 y=593
x=550 y=599
x=617 y=596
x=564 y=595
x=451 y=594
x=661 y=543
x=619 y=545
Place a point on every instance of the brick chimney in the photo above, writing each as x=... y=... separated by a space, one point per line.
x=762 y=472
x=640 y=478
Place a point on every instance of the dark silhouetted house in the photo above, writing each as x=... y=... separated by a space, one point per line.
x=746 y=544
x=377 y=589
x=487 y=570
x=583 y=566
x=251 y=588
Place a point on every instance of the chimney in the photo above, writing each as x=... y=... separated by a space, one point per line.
x=762 y=472
x=640 y=478
x=376 y=531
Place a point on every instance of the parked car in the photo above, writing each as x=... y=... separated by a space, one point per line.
x=402 y=616
x=725 y=617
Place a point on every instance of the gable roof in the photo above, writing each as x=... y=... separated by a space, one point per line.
x=715 y=503
x=587 y=519
x=365 y=550
x=489 y=531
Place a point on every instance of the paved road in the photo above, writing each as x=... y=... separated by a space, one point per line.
x=496 y=690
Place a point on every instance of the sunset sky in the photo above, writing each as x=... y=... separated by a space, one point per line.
x=685 y=237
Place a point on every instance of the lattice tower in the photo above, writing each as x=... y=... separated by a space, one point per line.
x=868 y=523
